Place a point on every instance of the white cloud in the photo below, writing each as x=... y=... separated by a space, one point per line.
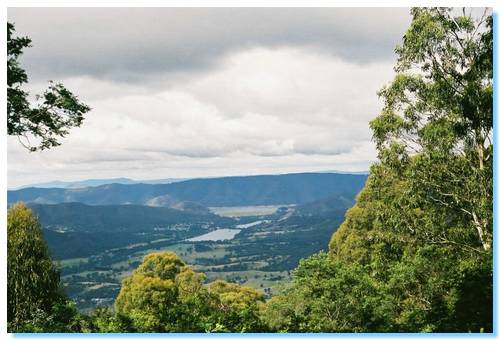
x=262 y=111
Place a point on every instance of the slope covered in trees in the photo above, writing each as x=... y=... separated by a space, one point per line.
x=115 y=218
x=210 y=192
x=414 y=254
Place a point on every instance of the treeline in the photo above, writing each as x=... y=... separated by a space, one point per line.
x=413 y=255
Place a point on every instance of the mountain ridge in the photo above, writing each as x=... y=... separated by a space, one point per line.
x=93 y=182
x=296 y=188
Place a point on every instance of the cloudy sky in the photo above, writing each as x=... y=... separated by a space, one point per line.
x=179 y=93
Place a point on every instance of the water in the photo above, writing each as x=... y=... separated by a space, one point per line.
x=224 y=233
x=248 y=225
x=216 y=235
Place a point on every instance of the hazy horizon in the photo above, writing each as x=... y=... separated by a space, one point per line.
x=138 y=180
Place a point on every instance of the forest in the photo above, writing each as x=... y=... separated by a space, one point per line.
x=413 y=254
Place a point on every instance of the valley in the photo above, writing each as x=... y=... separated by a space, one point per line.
x=97 y=245
x=258 y=250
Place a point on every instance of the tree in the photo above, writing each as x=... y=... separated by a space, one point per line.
x=439 y=110
x=414 y=253
x=165 y=295
x=105 y=321
x=328 y=296
x=423 y=223
x=150 y=296
x=35 y=301
x=54 y=112
x=427 y=286
x=235 y=308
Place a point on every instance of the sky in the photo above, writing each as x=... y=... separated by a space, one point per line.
x=202 y=92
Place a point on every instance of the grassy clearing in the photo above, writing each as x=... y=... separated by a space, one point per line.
x=187 y=252
x=253 y=278
x=71 y=262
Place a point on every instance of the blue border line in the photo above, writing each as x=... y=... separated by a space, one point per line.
x=332 y=335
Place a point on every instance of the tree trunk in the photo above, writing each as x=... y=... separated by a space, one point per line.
x=482 y=231
x=480 y=149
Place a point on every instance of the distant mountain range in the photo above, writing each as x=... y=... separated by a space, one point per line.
x=97 y=182
x=209 y=192
x=79 y=230
x=123 y=180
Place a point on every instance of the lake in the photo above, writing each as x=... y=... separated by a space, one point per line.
x=247 y=210
x=248 y=225
x=216 y=235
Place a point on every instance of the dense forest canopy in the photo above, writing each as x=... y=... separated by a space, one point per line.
x=414 y=254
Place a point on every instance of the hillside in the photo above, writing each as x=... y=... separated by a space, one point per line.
x=325 y=206
x=261 y=251
x=115 y=218
x=225 y=191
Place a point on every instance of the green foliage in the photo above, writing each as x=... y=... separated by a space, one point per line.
x=414 y=253
x=235 y=308
x=328 y=296
x=105 y=321
x=55 y=111
x=424 y=257
x=165 y=295
x=62 y=318
x=35 y=301
x=439 y=110
x=150 y=297
x=32 y=279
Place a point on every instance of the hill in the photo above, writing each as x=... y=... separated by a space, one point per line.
x=116 y=218
x=325 y=206
x=225 y=191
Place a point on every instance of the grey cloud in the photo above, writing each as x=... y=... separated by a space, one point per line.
x=131 y=44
